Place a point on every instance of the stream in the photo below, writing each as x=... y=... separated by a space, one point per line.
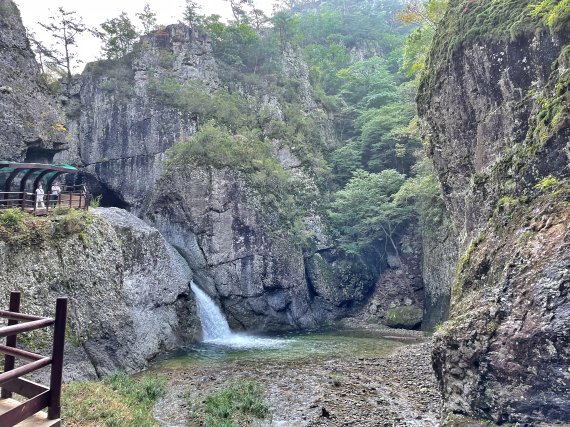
x=339 y=376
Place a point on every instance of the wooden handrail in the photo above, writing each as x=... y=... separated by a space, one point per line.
x=23 y=370
x=19 y=316
x=18 y=352
x=38 y=396
x=6 y=331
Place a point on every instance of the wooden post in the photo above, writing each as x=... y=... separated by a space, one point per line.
x=11 y=340
x=54 y=410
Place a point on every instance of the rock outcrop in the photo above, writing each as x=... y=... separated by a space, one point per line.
x=119 y=130
x=259 y=274
x=494 y=103
x=31 y=126
x=128 y=291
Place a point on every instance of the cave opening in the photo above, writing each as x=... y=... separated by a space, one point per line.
x=107 y=197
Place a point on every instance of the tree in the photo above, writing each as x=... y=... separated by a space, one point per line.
x=239 y=11
x=283 y=22
x=425 y=14
x=366 y=215
x=192 y=14
x=118 y=36
x=147 y=18
x=64 y=26
x=45 y=55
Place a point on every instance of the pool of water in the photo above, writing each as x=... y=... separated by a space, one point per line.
x=308 y=346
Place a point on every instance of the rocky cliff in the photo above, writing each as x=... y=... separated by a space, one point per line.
x=128 y=288
x=125 y=114
x=495 y=109
x=119 y=132
x=31 y=126
x=256 y=270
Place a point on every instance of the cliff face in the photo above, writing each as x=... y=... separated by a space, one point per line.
x=119 y=132
x=124 y=116
x=257 y=271
x=31 y=126
x=128 y=291
x=495 y=109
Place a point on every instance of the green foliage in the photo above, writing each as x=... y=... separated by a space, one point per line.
x=74 y=222
x=118 y=36
x=147 y=18
x=19 y=228
x=240 y=46
x=547 y=183
x=422 y=193
x=13 y=219
x=246 y=151
x=118 y=401
x=368 y=84
x=95 y=202
x=241 y=402
x=366 y=214
x=554 y=13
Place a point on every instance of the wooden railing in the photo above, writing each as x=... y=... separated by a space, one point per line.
x=11 y=381
x=75 y=197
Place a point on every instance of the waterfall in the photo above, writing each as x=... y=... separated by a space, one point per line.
x=215 y=327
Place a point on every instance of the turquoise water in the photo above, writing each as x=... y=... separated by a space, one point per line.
x=290 y=347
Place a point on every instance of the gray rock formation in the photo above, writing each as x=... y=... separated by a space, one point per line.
x=258 y=273
x=128 y=293
x=439 y=256
x=31 y=126
x=495 y=111
x=120 y=131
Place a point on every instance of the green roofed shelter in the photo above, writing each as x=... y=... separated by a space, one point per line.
x=19 y=181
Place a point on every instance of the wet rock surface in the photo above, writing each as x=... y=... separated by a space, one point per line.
x=398 y=390
x=494 y=112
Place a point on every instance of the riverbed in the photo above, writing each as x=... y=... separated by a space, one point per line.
x=336 y=377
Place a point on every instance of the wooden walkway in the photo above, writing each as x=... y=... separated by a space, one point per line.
x=40 y=419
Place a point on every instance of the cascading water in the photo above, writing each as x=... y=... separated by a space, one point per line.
x=215 y=328
x=214 y=325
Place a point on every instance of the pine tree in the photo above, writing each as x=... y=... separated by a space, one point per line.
x=64 y=27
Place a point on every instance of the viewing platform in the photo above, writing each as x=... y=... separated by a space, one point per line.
x=22 y=185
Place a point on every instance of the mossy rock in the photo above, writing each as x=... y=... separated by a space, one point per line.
x=407 y=317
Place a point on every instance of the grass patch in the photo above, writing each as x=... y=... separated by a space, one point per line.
x=118 y=401
x=19 y=228
x=238 y=404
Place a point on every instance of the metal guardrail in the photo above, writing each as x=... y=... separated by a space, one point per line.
x=39 y=397
x=75 y=197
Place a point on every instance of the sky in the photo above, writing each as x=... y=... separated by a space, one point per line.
x=94 y=12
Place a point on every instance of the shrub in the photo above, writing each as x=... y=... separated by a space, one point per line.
x=235 y=405
x=13 y=219
x=95 y=202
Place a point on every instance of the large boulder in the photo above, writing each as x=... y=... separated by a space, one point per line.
x=128 y=290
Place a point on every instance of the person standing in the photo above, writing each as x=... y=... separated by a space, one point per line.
x=55 y=191
x=40 y=197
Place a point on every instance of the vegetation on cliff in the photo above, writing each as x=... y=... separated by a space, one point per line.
x=359 y=133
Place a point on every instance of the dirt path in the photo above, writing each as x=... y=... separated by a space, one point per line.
x=398 y=390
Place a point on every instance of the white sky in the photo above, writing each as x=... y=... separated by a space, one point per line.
x=94 y=12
